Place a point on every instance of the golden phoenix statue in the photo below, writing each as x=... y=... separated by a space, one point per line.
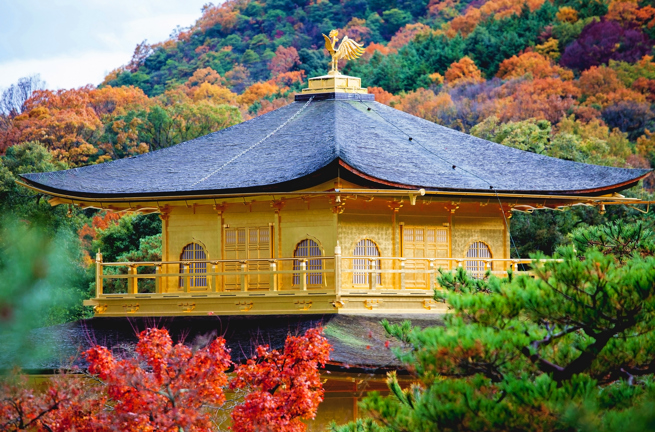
x=348 y=50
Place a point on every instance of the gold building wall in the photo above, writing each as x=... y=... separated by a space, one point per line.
x=474 y=222
x=185 y=225
x=382 y=221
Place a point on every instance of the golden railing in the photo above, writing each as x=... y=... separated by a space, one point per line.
x=281 y=274
x=337 y=275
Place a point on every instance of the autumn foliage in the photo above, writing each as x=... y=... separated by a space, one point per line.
x=283 y=387
x=172 y=387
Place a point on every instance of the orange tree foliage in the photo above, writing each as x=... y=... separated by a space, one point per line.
x=463 y=70
x=283 y=387
x=257 y=91
x=63 y=120
x=88 y=233
x=171 y=387
x=406 y=34
x=285 y=59
x=372 y=48
x=465 y=24
x=602 y=86
x=532 y=63
x=224 y=15
x=204 y=75
x=117 y=100
x=498 y=9
x=628 y=13
x=426 y=104
x=381 y=95
x=542 y=98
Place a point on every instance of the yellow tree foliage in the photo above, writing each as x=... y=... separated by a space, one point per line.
x=436 y=78
x=500 y=9
x=213 y=93
x=443 y=8
x=567 y=14
x=549 y=49
x=646 y=145
x=596 y=139
x=629 y=73
x=463 y=70
x=256 y=92
x=532 y=63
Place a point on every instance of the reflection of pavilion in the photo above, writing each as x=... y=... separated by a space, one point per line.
x=332 y=204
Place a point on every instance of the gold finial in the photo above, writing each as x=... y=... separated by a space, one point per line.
x=348 y=50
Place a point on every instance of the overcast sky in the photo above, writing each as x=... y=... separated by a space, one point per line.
x=71 y=43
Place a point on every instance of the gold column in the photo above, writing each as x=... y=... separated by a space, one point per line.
x=164 y=215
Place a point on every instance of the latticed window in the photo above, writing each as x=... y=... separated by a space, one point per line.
x=308 y=249
x=477 y=250
x=194 y=252
x=366 y=248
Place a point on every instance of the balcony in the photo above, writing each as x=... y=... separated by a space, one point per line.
x=280 y=286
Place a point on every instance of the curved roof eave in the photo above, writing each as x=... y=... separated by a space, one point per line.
x=293 y=147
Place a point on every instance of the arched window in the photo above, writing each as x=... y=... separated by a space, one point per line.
x=366 y=248
x=193 y=252
x=307 y=249
x=477 y=250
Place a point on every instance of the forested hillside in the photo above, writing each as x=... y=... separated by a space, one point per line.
x=574 y=79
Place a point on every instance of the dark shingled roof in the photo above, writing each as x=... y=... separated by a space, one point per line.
x=358 y=341
x=373 y=142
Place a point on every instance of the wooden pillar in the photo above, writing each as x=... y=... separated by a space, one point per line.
x=164 y=215
x=99 y=273
x=337 y=269
x=220 y=280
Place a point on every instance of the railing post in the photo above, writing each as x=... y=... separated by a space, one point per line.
x=337 y=269
x=402 y=273
x=372 y=277
x=158 y=278
x=272 y=281
x=187 y=279
x=244 y=279
x=99 y=273
x=303 y=274
x=515 y=266
x=214 y=278
x=132 y=281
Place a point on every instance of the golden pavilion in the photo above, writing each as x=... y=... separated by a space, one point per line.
x=333 y=204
